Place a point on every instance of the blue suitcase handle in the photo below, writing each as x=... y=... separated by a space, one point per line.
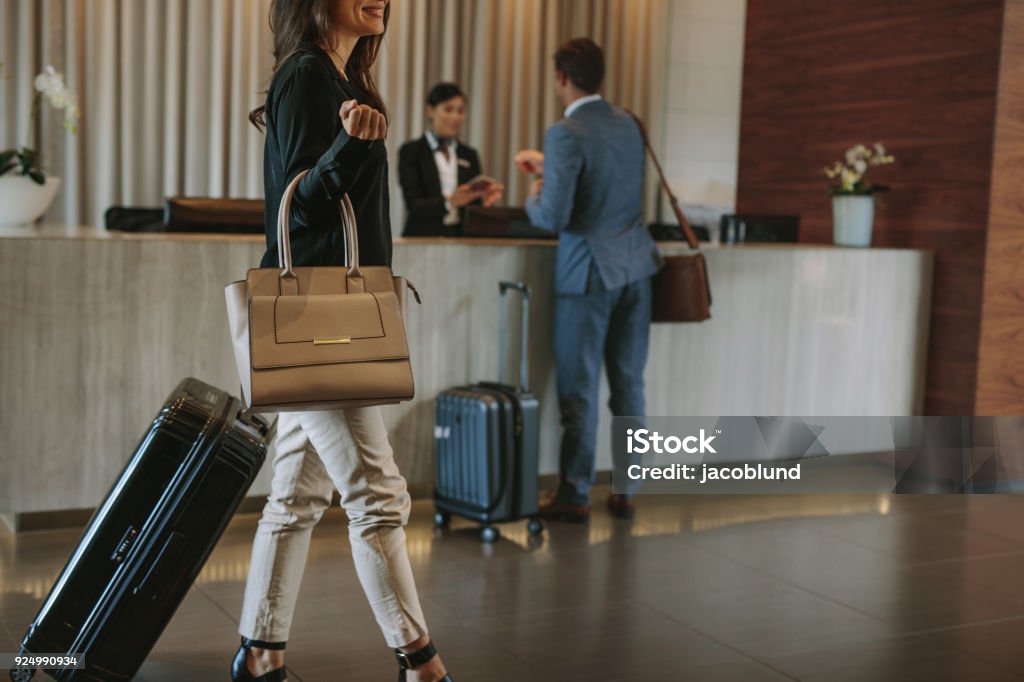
x=522 y=288
x=519 y=286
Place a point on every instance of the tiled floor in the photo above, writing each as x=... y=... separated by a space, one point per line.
x=715 y=589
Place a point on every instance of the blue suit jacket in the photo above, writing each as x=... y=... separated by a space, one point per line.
x=593 y=198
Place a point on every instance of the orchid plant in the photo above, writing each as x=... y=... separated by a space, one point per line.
x=50 y=85
x=854 y=167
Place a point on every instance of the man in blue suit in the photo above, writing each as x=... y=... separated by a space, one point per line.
x=591 y=193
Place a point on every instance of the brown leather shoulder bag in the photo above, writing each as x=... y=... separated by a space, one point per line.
x=682 y=292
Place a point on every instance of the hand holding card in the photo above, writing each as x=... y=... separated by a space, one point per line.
x=493 y=194
x=530 y=161
x=482 y=183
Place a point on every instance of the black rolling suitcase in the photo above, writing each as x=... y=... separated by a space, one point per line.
x=150 y=537
x=486 y=442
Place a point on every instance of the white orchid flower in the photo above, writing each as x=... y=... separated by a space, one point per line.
x=50 y=84
x=855 y=153
x=58 y=99
x=50 y=81
x=834 y=170
x=854 y=166
x=71 y=114
x=850 y=178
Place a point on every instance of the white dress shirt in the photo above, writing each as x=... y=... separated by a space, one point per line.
x=448 y=171
x=580 y=102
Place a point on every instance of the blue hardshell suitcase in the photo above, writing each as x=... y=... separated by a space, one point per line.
x=149 y=539
x=486 y=443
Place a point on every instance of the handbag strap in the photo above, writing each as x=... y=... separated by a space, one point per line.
x=691 y=237
x=284 y=244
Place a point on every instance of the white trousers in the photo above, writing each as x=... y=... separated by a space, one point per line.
x=316 y=453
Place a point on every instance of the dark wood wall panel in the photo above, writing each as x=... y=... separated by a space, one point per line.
x=920 y=76
x=1000 y=388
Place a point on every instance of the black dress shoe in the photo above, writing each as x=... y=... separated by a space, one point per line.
x=414 y=659
x=240 y=668
x=557 y=510
x=621 y=506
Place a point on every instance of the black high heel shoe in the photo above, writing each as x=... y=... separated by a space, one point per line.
x=415 y=659
x=240 y=669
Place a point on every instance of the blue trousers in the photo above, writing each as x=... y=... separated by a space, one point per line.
x=612 y=325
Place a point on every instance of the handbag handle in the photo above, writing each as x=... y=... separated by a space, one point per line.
x=691 y=237
x=284 y=245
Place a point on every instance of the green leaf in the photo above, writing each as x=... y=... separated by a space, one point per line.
x=27 y=165
x=7 y=156
x=28 y=157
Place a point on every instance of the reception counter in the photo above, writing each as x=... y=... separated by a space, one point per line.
x=98 y=327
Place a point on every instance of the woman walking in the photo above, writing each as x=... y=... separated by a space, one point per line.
x=323 y=113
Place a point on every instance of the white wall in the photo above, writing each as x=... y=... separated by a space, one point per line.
x=704 y=83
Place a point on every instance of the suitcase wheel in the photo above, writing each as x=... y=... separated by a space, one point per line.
x=22 y=674
x=441 y=518
x=490 y=534
x=535 y=526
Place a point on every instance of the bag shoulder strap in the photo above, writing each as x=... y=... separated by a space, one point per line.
x=691 y=237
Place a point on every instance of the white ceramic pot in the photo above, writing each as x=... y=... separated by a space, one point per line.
x=853 y=217
x=22 y=201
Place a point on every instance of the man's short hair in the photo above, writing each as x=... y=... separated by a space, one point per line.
x=582 y=62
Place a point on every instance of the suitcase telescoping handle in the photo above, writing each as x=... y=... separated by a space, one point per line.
x=521 y=287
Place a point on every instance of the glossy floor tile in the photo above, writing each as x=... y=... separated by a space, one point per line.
x=998 y=642
x=911 y=660
x=708 y=588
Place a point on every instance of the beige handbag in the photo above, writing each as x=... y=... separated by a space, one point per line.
x=319 y=338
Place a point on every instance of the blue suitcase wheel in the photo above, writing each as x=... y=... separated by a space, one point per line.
x=535 y=526
x=489 y=534
x=441 y=518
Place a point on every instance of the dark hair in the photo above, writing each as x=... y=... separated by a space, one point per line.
x=442 y=92
x=294 y=22
x=582 y=61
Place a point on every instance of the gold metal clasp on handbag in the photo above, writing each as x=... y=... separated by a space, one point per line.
x=317 y=341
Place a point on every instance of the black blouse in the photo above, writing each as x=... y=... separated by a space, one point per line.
x=304 y=131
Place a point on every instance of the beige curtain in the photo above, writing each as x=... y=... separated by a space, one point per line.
x=165 y=86
x=500 y=52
